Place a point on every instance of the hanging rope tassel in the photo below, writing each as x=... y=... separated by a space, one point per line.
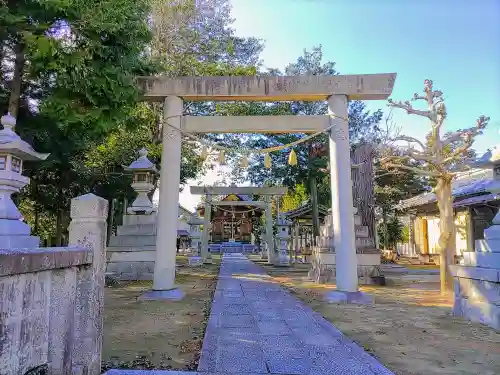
x=204 y=153
x=267 y=161
x=222 y=158
x=292 y=158
x=244 y=162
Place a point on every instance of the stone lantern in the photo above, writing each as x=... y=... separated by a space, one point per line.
x=13 y=152
x=283 y=239
x=143 y=174
x=195 y=234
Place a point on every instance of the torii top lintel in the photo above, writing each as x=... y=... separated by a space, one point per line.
x=268 y=88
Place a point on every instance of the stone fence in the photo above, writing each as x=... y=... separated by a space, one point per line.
x=51 y=299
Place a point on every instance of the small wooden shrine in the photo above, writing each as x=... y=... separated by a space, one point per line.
x=232 y=223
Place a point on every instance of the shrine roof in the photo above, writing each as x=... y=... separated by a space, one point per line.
x=305 y=211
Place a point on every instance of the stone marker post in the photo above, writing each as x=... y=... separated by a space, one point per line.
x=88 y=229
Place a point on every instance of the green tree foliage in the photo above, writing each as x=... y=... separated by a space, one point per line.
x=312 y=157
x=67 y=73
x=392 y=233
x=293 y=199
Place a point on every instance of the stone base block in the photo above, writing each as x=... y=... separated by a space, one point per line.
x=479 y=312
x=477 y=294
x=131 y=271
x=338 y=296
x=175 y=294
x=323 y=268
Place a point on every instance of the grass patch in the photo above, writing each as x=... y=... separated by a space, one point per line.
x=159 y=335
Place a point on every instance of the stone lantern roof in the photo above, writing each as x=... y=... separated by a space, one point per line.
x=142 y=164
x=11 y=143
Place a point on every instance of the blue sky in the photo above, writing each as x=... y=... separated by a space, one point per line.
x=454 y=43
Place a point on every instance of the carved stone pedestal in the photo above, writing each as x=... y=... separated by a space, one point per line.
x=323 y=259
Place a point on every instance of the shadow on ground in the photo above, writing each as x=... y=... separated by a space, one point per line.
x=157 y=334
x=409 y=328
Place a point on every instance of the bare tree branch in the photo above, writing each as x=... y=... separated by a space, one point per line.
x=409 y=140
x=409 y=109
x=412 y=169
x=481 y=124
x=420 y=156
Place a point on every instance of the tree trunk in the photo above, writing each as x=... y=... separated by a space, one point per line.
x=313 y=188
x=386 y=230
x=315 y=209
x=447 y=232
x=59 y=228
x=17 y=79
x=363 y=189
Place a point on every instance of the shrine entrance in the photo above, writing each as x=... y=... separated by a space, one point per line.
x=215 y=239
x=232 y=222
x=336 y=90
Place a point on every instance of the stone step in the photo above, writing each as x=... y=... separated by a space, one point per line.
x=488 y=246
x=135 y=241
x=483 y=259
x=137 y=230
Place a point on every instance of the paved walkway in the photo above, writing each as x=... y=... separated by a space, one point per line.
x=256 y=327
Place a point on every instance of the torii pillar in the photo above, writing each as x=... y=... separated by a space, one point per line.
x=168 y=205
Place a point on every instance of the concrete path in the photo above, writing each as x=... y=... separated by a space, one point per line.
x=256 y=327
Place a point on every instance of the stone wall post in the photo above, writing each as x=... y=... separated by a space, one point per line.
x=88 y=229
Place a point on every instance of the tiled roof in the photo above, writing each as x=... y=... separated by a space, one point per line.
x=461 y=188
x=305 y=209
x=477 y=200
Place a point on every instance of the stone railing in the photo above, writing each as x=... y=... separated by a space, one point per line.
x=51 y=299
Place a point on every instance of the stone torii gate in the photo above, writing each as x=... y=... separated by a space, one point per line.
x=208 y=191
x=337 y=90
